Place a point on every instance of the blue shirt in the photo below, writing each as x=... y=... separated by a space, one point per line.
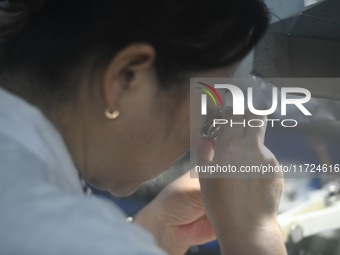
x=43 y=209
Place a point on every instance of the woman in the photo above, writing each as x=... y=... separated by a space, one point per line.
x=98 y=92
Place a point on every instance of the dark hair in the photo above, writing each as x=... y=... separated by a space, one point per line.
x=69 y=35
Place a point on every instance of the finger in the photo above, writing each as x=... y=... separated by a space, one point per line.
x=233 y=130
x=186 y=182
x=256 y=127
x=204 y=152
x=203 y=230
x=235 y=127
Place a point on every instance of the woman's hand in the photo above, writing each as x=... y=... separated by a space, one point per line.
x=241 y=211
x=242 y=207
x=176 y=217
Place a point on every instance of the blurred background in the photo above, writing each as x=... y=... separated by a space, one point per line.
x=296 y=146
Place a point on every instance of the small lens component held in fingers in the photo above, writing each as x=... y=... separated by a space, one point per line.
x=209 y=131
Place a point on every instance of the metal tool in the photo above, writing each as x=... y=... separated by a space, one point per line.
x=320 y=214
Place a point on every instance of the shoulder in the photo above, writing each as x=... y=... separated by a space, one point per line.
x=39 y=216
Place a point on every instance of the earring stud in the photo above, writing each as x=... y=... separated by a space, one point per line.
x=111 y=115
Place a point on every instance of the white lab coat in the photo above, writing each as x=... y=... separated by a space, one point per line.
x=43 y=209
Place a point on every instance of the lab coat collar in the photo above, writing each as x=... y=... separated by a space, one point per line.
x=26 y=124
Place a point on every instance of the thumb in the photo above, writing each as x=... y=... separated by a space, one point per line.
x=204 y=151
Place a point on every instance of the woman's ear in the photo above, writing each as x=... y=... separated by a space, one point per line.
x=123 y=70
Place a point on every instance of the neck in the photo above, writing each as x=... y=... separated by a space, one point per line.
x=70 y=125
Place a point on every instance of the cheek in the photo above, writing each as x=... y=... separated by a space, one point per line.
x=158 y=137
x=196 y=118
x=179 y=130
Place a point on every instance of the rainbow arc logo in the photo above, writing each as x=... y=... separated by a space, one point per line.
x=213 y=94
